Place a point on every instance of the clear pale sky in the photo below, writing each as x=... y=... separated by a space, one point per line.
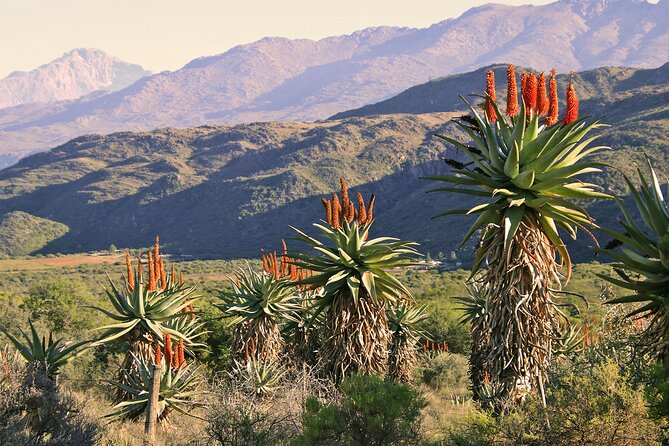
x=166 y=34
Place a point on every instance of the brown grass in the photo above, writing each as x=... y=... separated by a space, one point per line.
x=46 y=263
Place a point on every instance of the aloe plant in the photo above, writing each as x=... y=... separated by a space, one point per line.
x=405 y=322
x=527 y=171
x=352 y=272
x=257 y=304
x=44 y=353
x=179 y=389
x=642 y=264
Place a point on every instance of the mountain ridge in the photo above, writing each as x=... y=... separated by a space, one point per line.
x=285 y=79
x=227 y=191
x=74 y=74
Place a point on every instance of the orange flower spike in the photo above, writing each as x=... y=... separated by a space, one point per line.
x=182 y=356
x=370 y=208
x=532 y=87
x=571 y=114
x=181 y=278
x=425 y=347
x=158 y=354
x=156 y=253
x=351 y=211
x=327 y=204
x=139 y=267
x=152 y=273
x=523 y=86
x=529 y=94
x=173 y=274
x=275 y=266
x=246 y=348
x=542 y=97
x=491 y=96
x=511 y=92
x=344 y=193
x=263 y=256
x=336 y=211
x=552 y=117
x=167 y=342
x=163 y=275
x=128 y=268
x=362 y=215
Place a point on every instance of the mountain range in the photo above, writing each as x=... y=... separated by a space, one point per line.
x=227 y=191
x=281 y=79
x=71 y=76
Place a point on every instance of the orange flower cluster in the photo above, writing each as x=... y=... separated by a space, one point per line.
x=158 y=277
x=283 y=267
x=175 y=357
x=440 y=347
x=158 y=354
x=511 y=92
x=533 y=91
x=336 y=212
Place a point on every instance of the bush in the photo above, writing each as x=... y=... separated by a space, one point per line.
x=59 y=304
x=585 y=406
x=372 y=412
x=35 y=411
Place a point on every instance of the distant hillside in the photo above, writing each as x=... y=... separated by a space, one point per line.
x=75 y=74
x=227 y=191
x=285 y=79
x=23 y=234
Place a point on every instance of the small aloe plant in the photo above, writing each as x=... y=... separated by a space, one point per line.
x=179 y=386
x=44 y=353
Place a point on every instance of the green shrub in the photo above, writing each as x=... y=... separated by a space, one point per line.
x=60 y=304
x=372 y=412
x=585 y=406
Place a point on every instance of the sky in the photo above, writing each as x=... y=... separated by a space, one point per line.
x=166 y=34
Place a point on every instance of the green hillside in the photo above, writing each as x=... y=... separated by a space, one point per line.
x=23 y=234
x=227 y=191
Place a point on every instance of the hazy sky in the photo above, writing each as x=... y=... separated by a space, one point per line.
x=165 y=34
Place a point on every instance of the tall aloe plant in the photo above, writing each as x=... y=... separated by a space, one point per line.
x=527 y=170
x=353 y=274
x=642 y=265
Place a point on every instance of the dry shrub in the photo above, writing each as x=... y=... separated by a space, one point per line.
x=238 y=417
x=34 y=410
